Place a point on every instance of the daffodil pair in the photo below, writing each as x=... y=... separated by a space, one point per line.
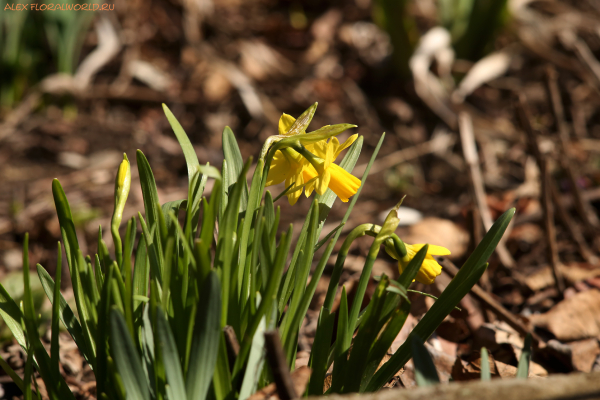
x=314 y=169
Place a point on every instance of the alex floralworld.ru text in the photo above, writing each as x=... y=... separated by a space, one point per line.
x=58 y=7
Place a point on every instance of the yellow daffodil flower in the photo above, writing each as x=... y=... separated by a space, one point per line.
x=317 y=174
x=430 y=268
x=326 y=174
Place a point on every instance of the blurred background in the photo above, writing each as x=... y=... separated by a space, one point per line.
x=486 y=105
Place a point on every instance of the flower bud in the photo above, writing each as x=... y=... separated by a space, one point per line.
x=122 y=186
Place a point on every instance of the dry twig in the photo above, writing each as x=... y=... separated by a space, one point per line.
x=467 y=138
x=279 y=368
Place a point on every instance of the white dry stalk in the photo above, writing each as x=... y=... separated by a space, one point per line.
x=436 y=43
x=484 y=70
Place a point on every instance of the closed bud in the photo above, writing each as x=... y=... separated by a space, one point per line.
x=122 y=186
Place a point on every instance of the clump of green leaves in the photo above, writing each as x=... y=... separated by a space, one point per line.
x=150 y=322
x=24 y=34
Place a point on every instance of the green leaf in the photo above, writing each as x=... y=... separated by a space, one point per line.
x=293 y=317
x=54 y=343
x=226 y=242
x=13 y=375
x=342 y=345
x=172 y=207
x=364 y=339
x=485 y=365
x=270 y=297
x=67 y=227
x=235 y=164
x=329 y=235
x=127 y=358
x=320 y=352
x=391 y=329
x=425 y=372
x=151 y=203
x=77 y=267
x=205 y=340
x=170 y=357
x=11 y=314
x=189 y=153
x=102 y=331
x=254 y=198
x=141 y=275
x=56 y=385
x=459 y=286
x=523 y=367
x=155 y=258
x=27 y=377
x=255 y=361
x=191 y=159
x=66 y=314
x=148 y=347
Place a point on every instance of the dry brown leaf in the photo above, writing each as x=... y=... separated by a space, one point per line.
x=584 y=354
x=471 y=370
x=441 y=232
x=572 y=319
x=573 y=273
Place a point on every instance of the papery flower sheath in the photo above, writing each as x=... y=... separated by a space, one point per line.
x=430 y=268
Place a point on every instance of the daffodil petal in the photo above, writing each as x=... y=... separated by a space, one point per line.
x=345 y=145
x=279 y=171
x=322 y=183
x=433 y=249
x=294 y=195
x=430 y=269
x=285 y=123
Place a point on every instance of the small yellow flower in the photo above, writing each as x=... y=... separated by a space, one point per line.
x=290 y=166
x=327 y=174
x=430 y=268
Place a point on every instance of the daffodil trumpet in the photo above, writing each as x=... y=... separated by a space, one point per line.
x=430 y=268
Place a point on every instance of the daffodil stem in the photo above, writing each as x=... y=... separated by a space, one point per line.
x=357 y=232
x=365 y=229
x=114 y=229
x=310 y=157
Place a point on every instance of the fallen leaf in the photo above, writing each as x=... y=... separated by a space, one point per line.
x=573 y=272
x=299 y=377
x=440 y=232
x=572 y=319
x=584 y=354
x=471 y=370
